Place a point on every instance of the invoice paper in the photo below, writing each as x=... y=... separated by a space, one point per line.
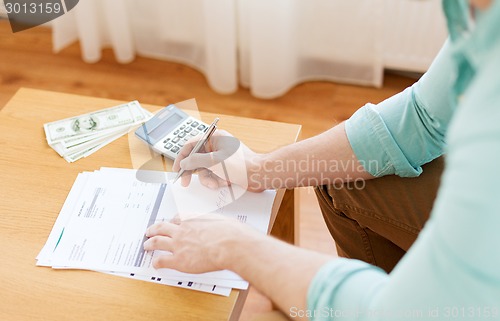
x=102 y=224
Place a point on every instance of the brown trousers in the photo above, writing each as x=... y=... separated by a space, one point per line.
x=378 y=222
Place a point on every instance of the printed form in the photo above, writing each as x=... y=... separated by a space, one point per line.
x=103 y=222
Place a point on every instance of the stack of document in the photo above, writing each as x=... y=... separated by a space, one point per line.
x=77 y=137
x=103 y=221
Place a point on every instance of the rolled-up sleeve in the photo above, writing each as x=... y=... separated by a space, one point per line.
x=400 y=134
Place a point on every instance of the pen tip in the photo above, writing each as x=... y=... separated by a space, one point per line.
x=176 y=177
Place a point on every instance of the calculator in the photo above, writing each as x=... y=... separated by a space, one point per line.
x=169 y=130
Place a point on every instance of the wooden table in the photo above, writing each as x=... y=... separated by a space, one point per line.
x=34 y=184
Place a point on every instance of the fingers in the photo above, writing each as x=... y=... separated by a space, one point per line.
x=186 y=178
x=210 y=180
x=187 y=244
x=211 y=146
x=163 y=243
x=160 y=237
x=200 y=160
x=183 y=153
x=162 y=229
x=215 y=151
x=190 y=163
x=189 y=168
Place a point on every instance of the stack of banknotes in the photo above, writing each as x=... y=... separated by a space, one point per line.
x=77 y=137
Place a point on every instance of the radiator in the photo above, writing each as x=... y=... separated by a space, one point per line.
x=413 y=33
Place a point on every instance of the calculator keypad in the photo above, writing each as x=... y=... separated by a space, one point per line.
x=176 y=139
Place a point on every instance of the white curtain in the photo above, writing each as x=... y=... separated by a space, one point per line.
x=285 y=42
x=265 y=45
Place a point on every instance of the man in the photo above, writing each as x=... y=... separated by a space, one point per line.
x=452 y=270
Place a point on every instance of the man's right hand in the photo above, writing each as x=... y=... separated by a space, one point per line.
x=224 y=160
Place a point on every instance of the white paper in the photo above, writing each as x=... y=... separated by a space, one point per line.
x=102 y=224
x=208 y=288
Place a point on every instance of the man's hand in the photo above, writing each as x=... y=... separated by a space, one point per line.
x=199 y=245
x=224 y=160
x=208 y=243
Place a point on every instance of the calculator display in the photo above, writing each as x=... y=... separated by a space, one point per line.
x=166 y=126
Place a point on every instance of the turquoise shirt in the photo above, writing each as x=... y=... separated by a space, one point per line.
x=452 y=272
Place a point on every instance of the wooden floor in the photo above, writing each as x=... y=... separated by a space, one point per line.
x=26 y=60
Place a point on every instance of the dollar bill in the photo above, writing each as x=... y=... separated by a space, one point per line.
x=81 y=153
x=65 y=150
x=80 y=136
x=76 y=156
x=68 y=143
x=91 y=123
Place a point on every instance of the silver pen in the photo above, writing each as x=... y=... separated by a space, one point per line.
x=211 y=129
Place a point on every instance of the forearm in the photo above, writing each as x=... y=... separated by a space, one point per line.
x=324 y=159
x=280 y=271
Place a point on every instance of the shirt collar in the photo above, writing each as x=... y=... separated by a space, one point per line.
x=458 y=18
x=473 y=42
